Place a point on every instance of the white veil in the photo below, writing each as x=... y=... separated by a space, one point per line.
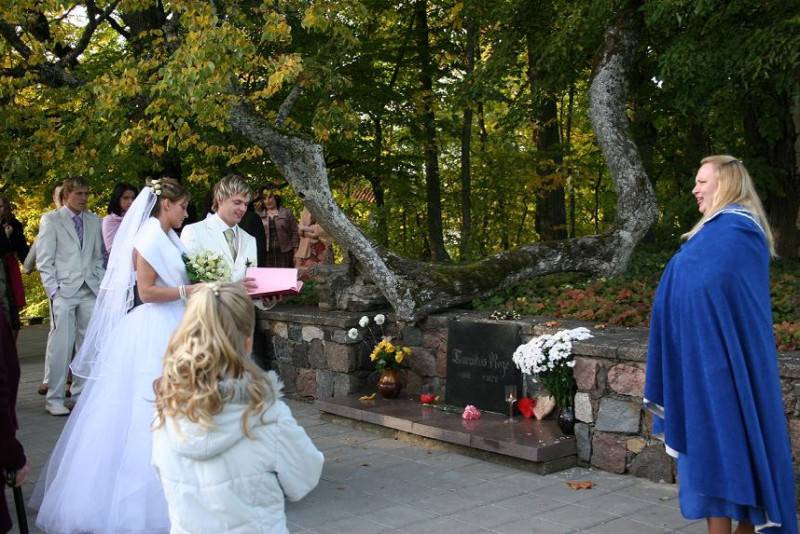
x=116 y=290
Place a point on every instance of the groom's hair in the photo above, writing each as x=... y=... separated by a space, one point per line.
x=231 y=185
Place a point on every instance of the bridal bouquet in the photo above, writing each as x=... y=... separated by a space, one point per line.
x=207 y=266
x=548 y=358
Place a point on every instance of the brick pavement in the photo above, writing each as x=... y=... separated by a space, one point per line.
x=374 y=483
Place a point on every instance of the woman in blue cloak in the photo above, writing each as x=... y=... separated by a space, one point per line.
x=712 y=367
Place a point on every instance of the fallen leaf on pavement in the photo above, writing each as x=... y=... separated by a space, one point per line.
x=580 y=484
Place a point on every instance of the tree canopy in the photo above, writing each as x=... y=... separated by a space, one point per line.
x=458 y=131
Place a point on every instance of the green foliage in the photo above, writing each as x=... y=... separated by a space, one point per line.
x=627 y=300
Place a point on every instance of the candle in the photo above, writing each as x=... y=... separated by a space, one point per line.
x=427 y=398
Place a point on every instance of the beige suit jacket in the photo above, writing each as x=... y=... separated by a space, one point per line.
x=63 y=263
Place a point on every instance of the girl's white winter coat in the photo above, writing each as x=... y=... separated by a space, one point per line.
x=222 y=481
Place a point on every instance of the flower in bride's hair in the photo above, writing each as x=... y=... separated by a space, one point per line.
x=155 y=185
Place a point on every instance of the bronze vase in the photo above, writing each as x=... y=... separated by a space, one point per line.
x=389 y=383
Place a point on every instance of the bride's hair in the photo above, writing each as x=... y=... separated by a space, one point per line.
x=209 y=347
x=166 y=188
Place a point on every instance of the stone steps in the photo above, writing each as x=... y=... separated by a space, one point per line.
x=539 y=442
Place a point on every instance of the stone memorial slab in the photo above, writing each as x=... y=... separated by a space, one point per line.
x=479 y=364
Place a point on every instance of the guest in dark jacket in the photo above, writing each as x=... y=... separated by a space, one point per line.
x=12 y=457
x=13 y=249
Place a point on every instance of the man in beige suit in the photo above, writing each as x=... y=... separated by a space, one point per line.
x=69 y=257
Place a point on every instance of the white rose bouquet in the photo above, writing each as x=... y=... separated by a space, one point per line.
x=207 y=266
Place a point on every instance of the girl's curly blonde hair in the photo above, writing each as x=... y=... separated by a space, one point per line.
x=209 y=346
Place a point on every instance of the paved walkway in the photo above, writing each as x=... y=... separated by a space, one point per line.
x=375 y=484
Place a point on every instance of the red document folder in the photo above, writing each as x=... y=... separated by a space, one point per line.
x=272 y=282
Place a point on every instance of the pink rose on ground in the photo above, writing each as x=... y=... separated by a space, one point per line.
x=471 y=412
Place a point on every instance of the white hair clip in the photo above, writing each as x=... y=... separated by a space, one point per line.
x=215 y=288
x=155 y=185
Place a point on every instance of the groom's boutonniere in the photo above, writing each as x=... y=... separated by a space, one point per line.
x=248 y=263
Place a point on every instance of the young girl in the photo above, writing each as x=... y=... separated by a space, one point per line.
x=226 y=448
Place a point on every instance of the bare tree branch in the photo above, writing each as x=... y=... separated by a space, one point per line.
x=95 y=18
x=10 y=34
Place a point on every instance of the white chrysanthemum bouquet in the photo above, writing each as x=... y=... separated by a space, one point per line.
x=207 y=266
x=548 y=359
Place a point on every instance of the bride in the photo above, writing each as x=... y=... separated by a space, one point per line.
x=98 y=478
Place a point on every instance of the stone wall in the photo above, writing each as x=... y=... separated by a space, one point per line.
x=315 y=358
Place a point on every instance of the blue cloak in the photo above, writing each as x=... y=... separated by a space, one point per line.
x=712 y=373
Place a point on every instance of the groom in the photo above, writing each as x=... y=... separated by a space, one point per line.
x=220 y=231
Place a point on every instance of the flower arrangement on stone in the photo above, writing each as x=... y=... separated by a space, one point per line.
x=207 y=266
x=548 y=359
x=385 y=354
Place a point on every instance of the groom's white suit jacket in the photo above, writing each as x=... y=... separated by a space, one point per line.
x=207 y=235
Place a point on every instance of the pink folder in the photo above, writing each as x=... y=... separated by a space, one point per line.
x=274 y=281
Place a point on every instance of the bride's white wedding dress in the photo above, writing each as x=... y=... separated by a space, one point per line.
x=99 y=478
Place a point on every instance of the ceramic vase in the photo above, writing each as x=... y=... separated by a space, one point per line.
x=566 y=420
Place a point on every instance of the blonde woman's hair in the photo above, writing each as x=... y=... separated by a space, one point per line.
x=208 y=347
x=231 y=185
x=734 y=186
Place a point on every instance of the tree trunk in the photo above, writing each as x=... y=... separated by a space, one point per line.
x=381 y=218
x=431 y=148
x=551 y=211
x=782 y=207
x=465 y=251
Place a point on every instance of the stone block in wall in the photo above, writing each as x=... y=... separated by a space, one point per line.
x=311 y=332
x=626 y=380
x=423 y=362
x=340 y=336
x=618 y=416
x=585 y=372
x=653 y=463
x=280 y=348
x=608 y=452
x=307 y=383
x=441 y=362
x=340 y=358
x=325 y=384
x=288 y=374
x=433 y=340
x=411 y=335
x=583 y=408
x=345 y=384
x=300 y=355
x=794 y=437
x=796 y=403
x=583 y=436
x=316 y=354
x=295 y=332
x=279 y=329
x=636 y=445
x=647 y=424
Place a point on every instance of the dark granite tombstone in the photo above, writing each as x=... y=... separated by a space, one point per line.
x=479 y=364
